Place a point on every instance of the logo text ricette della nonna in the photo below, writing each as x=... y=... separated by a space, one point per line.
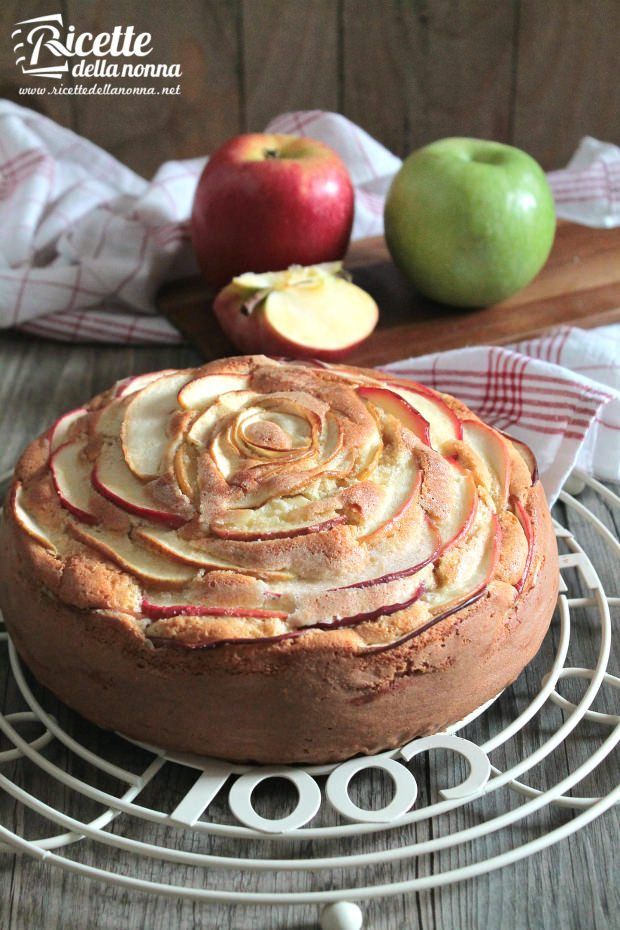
x=46 y=48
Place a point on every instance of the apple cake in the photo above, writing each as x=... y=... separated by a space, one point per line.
x=275 y=561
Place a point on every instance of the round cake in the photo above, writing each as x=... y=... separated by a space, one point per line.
x=274 y=561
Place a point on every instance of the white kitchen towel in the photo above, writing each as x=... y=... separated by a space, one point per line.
x=85 y=243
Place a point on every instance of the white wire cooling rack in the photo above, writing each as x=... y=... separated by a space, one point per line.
x=201 y=814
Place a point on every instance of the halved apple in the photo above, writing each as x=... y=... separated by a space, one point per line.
x=200 y=392
x=177 y=549
x=443 y=422
x=113 y=480
x=27 y=523
x=493 y=451
x=144 y=563
x=144 y=434
x=59 y=431
x=301 y=312
x=164 y=611
x=398 y=407
x=70 y=474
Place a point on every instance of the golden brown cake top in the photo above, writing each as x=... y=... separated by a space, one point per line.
x=255 y=498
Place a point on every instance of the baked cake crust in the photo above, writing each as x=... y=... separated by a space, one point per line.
x=346 y=573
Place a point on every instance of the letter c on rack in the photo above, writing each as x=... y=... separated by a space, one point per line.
x=479 y=765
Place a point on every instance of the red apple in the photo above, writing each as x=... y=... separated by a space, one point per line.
x=265 y=202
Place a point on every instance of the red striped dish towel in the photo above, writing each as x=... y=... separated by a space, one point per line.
x=85 y=243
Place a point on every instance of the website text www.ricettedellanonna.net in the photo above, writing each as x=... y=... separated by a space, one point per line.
x=98 y=89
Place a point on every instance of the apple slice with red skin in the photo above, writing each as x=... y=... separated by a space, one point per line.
x=135 y=383
x=164 y=611
x=238 y=535
x=444 y=424
x=70 y=476
x=145 y=564
x=200 y=392
x=144 y=435
x=461 y=602
x=463 y=515
x=342 y=622
x=524 y=519
x=113 y=480
x=59 y=431
x=526 y=454
x=27 y=523
x=434 y=552
x=478 y=587
x=411 y=495
x=493 y=450
x=392 y=403
x=177 y=549
x=384 y=611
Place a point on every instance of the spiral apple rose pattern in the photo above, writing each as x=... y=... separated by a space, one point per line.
x=257 y=500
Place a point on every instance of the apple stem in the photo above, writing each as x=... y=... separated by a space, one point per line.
x=271 y=153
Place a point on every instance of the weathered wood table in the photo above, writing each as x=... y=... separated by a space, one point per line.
x=573 y=885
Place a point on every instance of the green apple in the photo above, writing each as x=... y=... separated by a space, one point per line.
x=469 y=222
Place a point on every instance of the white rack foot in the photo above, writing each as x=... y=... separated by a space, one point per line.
x=574 y=484
x=343 y=915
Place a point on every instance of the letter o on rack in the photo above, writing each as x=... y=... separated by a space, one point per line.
x=405 y=793
x=240 y=800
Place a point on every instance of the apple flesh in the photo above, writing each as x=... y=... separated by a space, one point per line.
x=26 y=522
x=303 y=312
x=468 y=221
x=230 y=531
x=113 y=480
x=492 y=449
x=164 y=611
x=60 y=430
x=526 y=454
x=200 y=392
x=265 y=202
x=70 y=476
x=462 y=599
x=144 y=430
x=137 y=382
x=177 y=550
x=147 y=565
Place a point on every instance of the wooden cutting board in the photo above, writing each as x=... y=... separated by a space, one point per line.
x=580 y=285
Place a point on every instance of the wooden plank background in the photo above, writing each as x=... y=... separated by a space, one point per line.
x=540 y=75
